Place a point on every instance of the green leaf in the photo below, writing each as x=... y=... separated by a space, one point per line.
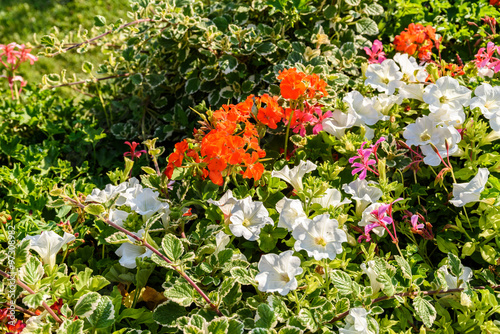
x=136 y=79
x=269 y=237
x=181 y=293
x=290 y=330
x=172 y=247
x=167 y=313
x=456 y=268
x=87 y=67
x=265 y=48
x=103 y=315
x=32 y=272
x=154 y=80
x=366 y=26
x=228 y=64
x=35 y=300
x=99 y=21
x=87 y=304
x=218 y=326
x=94 y=209
x=226 y=93
x=352 y=2
x=21 y=253
x=117 y=238
x=424 y=310
x=192 y=85
x=267 y=318
x=235 y=327
x=489 y=254
x=306 y=318
x=404 y=265
x=242 y=276
x=386 y=280
x=48 y=41
x=373 y=9
x=71 y=327
x=342 y=282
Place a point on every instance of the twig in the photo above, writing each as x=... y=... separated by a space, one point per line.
x=27 y=288
x=157 y=252
x=100 y=36
x=91 y=80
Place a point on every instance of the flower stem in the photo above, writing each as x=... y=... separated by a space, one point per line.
x=288 y=132
x=30 y=291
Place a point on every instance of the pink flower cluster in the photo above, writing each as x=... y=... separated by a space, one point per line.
x=376 y=53
x=12 y=56
x=485 y=57
x=365 y=162
x=310 y=116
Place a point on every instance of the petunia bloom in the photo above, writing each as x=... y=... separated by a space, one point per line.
x=48 y=244
x=248 y=218
x=294 y=176
x=277 y=272
x=128 y=252
x=291 y=213
x=320 y=237
x=464 y=193
x=357 y=323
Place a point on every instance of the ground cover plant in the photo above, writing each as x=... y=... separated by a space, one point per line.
x=328 y=198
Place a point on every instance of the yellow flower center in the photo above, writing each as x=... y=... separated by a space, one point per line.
x=425 y=136
x=320 y=241
x=284 y=277
x=246 y=222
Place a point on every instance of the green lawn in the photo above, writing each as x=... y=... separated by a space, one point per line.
x=20 y=20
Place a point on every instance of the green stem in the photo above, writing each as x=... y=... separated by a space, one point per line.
x=288 y=132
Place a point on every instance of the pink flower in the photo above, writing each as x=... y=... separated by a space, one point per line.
x=484 y=57
x=380 y=216
x=414 y=223
x=132 y=153
x=376 y=53
x=364 y=159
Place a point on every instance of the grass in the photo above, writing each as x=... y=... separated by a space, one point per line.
x=21 y=20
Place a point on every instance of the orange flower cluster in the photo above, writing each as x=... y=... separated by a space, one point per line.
x=232 y=144
x=417 y=40
x=228 y=141
x=297 y=84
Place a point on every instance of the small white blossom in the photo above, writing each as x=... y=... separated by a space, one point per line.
x=277 y=272
x=128 y=252
x=338 y=123
x=464 y=193
x=372 y=275
x=384 y=77
x=109 y=192
x=221 y=241
x=362 y=193
x=446 y=93
x=146 y=203
x=291 y=213
x=294 y=176
x=362 y=108
x=488 y=101
x=357 y=323
x=412 y=91
x=48 y=244
x=134 y=188
x=248 y=218
x=331 y=198
x=412 y=72
x=485 y=72
x=320 y=237
x=118 y=216
x=383 y=104
x=226 y=203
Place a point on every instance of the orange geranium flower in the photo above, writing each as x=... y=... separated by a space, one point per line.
x=417 y=40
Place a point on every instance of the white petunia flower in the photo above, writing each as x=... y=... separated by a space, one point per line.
x=384 y=77
x=332 y=197
x=464 y=193
x=277 y=272
x=48 y=244
x=291 y=213
x=362 y=193
x=128 y=252
x=412 y=72
x=248 y=218
x=226 y=203
x=338 y=123
x=357 y=323
x=372 y=275
x=294 y=176
x=146 y=203
x=109 y=192
x=446 y=93
x=412 y=91
x=447 y=116
x=488 y=101
x=485 y=72
x=361 y=108
x=320 y=237
x=221 y=241
x=118 y=216
x=425 y=132
x=383 y=104
x=452 y=281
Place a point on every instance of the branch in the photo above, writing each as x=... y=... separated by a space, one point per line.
x=27 y=288
x=100 y=36
x=91 y=80
x=157 y=252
